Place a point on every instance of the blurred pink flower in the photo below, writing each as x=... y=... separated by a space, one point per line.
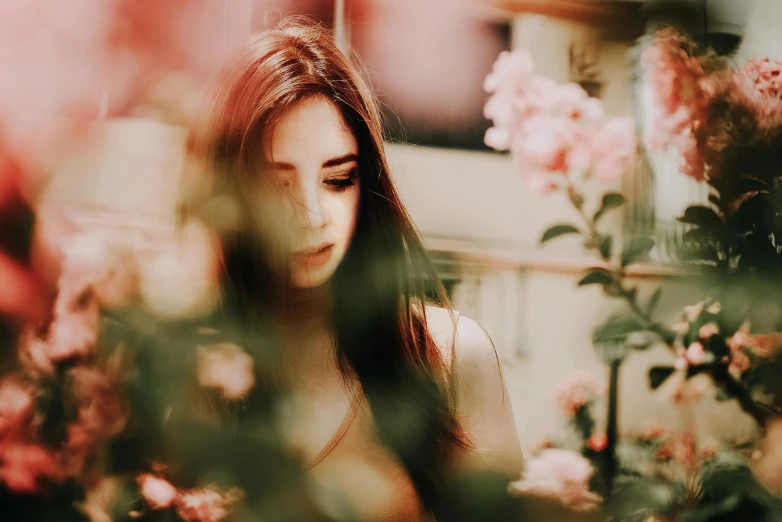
x=576 y=391
x=681 y=363
x=740 y=338
x=226 y=367
x=739 y=363
x=682 y=327
x=94 y=261
x=597 y=442
x=682 y=92
x=511 y=70
x=16 y=407
x=652 y=430
x=692 y=312
x=100 y=414
x=159 y=493
x=709 y=449
x=615 y=148
x=73 y=334
x=696 y=353
x=765 y=77
x=206 y=505
x=555 y=131
x=561 y=475
x=708 y=330
x=24 y=467
x=545 y=142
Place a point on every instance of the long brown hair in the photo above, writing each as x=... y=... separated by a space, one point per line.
x=380 y=288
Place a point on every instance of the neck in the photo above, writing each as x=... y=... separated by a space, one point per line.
x=308 y=304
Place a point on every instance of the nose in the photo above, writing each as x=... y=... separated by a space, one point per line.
x=312 y=213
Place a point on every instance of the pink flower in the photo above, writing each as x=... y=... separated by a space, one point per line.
x=681 y=363
x=576 y=391
x=682 y=92
x=682 y=327
x=696 y=354
x=739 y=363
x=555 y=131
x=545 y=143
x=740 y=339
x=597 y=442
x=694 y=311
x=159 y=493
x=101 y=414
x=652 y=430
x=25 y=466
x=497 y=138
x=511 y=69
x=110 y=271
x=765 y=77
x=74 y=333
x=226 y=367
x=709 y=449
x=708 y=330
x=206 y=505
x=560 y=475
x=16 y=405
x=615 y=148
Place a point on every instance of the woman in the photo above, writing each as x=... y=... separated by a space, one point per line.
x=411 y=392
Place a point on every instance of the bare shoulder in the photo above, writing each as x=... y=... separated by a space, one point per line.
x=463 y=343
x=482 y=400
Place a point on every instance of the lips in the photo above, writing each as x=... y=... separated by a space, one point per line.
x=312 y=257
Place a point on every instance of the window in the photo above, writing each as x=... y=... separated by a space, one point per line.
x=428 y=67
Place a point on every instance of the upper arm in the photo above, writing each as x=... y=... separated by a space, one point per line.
x=482 y=401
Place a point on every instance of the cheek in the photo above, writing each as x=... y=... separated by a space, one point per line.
x=344 y=212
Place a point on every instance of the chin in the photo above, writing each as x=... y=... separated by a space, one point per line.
x=306 y=278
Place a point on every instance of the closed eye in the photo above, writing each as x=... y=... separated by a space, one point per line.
x=340 y=183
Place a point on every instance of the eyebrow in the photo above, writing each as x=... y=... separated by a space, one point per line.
x=333 y=162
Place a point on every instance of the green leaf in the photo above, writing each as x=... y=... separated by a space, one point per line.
x=658 y=375
x=597 y=276
x=703 y=217
x=617 y=328
x=654 y=300
x=697 y=235
x=723 y=395
x=636 y=250
x=703 y=252
x=558 y=230
x=605 y=246
x=611 y=201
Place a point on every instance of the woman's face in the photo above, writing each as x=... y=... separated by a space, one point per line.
x=314 y=159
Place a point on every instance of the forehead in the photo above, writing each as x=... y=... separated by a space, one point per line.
x=311 y=130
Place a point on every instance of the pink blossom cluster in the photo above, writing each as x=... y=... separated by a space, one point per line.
x=766 y=76
x=700 y=107
x=226 y=367
x=682 y=92
x=28 y=464
x=94 y=275
x=561 y=475
x=556 y=132
x=97 y=411
x=196 y=505
x=575 y=392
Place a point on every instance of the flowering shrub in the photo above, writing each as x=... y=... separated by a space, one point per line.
x=557 y=133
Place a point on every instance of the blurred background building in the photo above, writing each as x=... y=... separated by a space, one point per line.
x=427 y=60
